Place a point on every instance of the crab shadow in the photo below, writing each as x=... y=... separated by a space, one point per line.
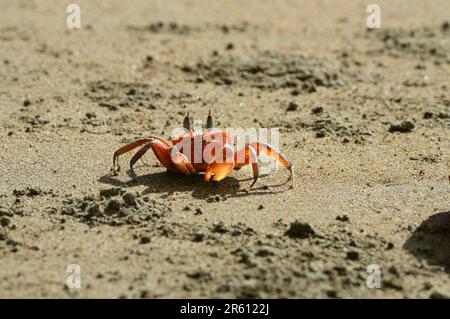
x=431 y=239
x=169 y=183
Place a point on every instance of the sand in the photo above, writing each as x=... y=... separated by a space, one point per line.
x=364 y=116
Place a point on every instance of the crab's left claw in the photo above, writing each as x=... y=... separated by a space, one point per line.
x=220 y=168
x=218 y=171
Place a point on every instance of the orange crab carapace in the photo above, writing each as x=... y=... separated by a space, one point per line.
x=209 y=152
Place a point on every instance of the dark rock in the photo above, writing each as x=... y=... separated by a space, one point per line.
x=94 y=210
x=129 y=199
x=198 y=275
x=5 y=221
x=90 y=115
x=34 y=191
x=317 y=110
x=342 y=218
x=445 y=26
x=215 y=198
x=394 y=271
x=264 y=252
x=187 y=69
x=352 y=255
x=29 y=191
x=332 y=294
x=144 y=294
x=427 y=115
x=321 y=134
x=113 y=207
x=198 y=237
x=144 y=240
x=292 y=106
x=404 y=127
x=219 y=228
x=300 y=230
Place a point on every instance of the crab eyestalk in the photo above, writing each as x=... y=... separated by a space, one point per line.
x=209 y=121
x=187 y=122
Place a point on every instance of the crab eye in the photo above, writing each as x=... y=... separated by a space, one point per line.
x=209 y=121
x=187 y=122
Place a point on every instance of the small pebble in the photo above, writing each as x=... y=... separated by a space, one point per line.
x=144 y=240
x=352 y=255
x=292 y=106
x=129 y=198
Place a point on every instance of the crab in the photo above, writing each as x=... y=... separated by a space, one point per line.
x=209 y=152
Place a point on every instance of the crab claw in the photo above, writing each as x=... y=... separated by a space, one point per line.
x=218 y=170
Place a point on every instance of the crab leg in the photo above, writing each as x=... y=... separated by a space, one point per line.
x=246 y=156
x=275 y=155
x=131 y=146
x=139 y=154
x=181 y=161
x=159 y=149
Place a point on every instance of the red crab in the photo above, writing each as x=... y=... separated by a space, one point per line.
x=210 y=152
